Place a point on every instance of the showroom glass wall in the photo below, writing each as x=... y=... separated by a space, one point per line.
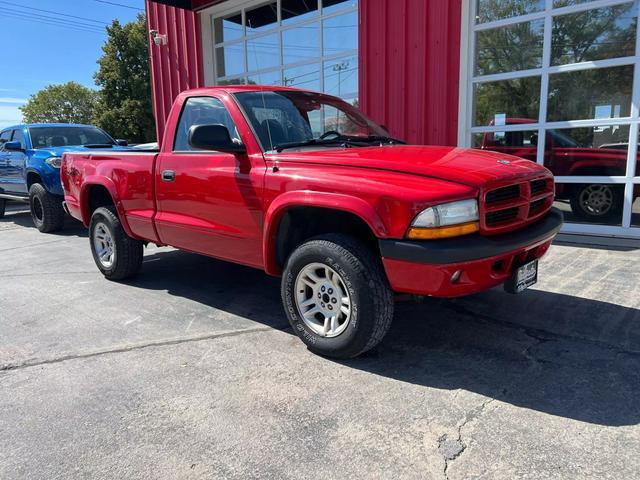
x=558 y=82
x=310 y=44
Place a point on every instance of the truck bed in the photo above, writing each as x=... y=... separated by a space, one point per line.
x=128 y=177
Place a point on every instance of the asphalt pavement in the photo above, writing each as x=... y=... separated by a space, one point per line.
x=190 y=370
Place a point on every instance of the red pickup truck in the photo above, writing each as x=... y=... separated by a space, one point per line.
x=304 y=186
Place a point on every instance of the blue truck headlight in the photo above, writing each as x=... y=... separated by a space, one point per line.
x=55 y=162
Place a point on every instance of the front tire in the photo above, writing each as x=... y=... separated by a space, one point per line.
x=46 y=209
x=336 y=296
x=597 y=202
x=117 y=255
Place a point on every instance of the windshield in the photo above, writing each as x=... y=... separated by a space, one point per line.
x=49 y=137
x=282 y=118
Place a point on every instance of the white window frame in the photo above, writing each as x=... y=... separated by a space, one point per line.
x=465 y=109
x=228 y=8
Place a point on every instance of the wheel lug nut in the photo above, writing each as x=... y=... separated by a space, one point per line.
x=330 y=307
x=331 y=291
x=322 y=289
x=333 y=300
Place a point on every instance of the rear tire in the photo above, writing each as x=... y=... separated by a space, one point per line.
x=3 y=205
x=336 y=296
x=117 y=255
x=46 y=209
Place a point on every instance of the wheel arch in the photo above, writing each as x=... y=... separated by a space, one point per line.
x=296 y=216
x=101 y=192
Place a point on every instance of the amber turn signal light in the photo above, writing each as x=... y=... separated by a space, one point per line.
x=443 y=232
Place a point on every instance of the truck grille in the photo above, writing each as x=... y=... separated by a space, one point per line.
x=514 y=206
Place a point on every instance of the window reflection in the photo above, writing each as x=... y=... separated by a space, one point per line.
x=494 y=102
x=511 y=48
x=301 y=43
x=306 y=77
x=228 y=28
x=598 y=203
x=340 y=33
x=341 y=77
x=519 y=143
x=263 y=52
x=635 y=208
x=296 y=10
x=330 y=6
x=587 y=151
x=594 y=34
x=590 y=94
x=262 y=18
x=265 y=78
x=490 y=10
x=230 y=60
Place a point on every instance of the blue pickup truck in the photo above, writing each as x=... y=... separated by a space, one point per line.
x=30 y=159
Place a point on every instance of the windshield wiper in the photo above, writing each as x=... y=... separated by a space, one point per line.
x=343 y=141
x=382 y=139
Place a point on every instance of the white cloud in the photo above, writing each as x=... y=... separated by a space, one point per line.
x=9 y=115
x=20 y=101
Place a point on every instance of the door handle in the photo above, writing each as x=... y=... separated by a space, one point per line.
x=168 y=175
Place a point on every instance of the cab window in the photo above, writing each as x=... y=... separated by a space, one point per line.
x=4 y=137
x=202 y=111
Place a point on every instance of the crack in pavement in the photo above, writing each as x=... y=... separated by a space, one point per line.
x=136 y=346
x=453 y=449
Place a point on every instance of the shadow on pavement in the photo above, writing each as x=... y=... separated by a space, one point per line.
x=554 y=353
x=18 y=215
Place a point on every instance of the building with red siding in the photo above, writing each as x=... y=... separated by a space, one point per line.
x=520 y=77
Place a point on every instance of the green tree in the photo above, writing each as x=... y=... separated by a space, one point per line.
x=124 y=108
x=66 y=103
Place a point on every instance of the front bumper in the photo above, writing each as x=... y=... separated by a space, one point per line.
x=426 y=267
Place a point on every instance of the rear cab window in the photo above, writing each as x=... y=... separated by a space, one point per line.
x=202 y=111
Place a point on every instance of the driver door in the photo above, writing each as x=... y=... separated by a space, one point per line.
x=209 y=202
x=16 y=164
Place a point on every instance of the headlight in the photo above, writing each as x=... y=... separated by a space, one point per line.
x=55 y=162
x=446 y=220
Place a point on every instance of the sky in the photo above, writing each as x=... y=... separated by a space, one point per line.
x=44 y=48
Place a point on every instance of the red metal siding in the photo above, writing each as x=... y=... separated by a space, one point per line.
x=178 y=65
x=410 y=66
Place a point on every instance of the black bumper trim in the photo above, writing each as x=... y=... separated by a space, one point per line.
x=471 y=247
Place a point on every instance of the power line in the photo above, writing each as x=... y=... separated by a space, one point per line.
x=28 y=17
x=55 y=13
x=120 y=5
x=61 y=21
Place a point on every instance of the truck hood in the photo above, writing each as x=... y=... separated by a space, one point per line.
x=464 y=166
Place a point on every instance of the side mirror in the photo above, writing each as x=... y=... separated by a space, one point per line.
x=214 y=137
x=13 y=146
x=122 y=143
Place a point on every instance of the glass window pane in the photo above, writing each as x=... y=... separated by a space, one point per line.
x=201 y=111
x=228 y=28
x=566 y=3
x=499 y=103
x=296 y=10
x=594 y=35
x=598 y=203
x=330 y=6
x=519 y=143
x=263 y=52
x=265 y=78
x=588 y=94
x=301 y=43
x=231 y=81
x=305 y=77
x=635 y=208
x=341 y=77
x=262 y=18
x=340 y=33
x=587 y=150
x=490 y=10
x=512 y=48
x=230 y=60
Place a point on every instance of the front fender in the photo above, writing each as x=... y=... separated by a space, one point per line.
x=49 y=175
x=106 y=182
x=301 y=198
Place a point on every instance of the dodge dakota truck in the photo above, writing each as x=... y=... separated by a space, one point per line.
x=304 y=186
x=30 y=158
